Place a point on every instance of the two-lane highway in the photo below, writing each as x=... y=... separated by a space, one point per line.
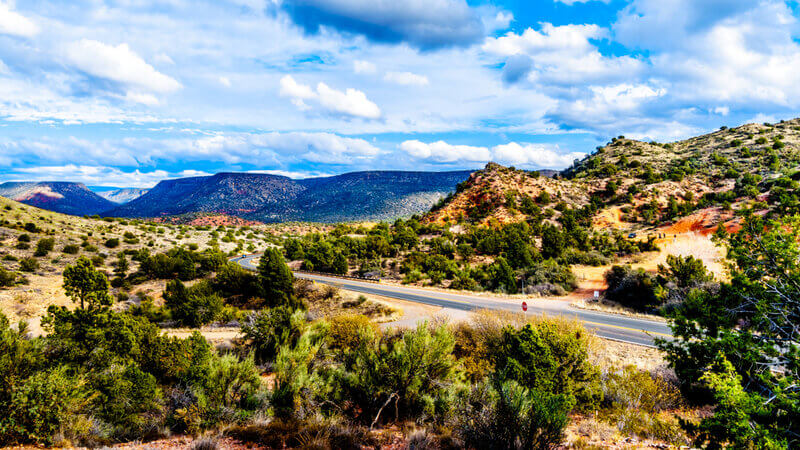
x=610 y=326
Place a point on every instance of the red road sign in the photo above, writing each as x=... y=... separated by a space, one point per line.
x=524 y=306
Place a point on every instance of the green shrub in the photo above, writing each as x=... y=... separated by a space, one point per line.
x=349 y=331
x=71 y=249
x=550 y=356
x=193 y=306
x=509 y=416
x=550 y=271
x=28 y=265
x=413 y=372
x=112 y=243
x=7 y=277
x=45 y=405
x=631 y=388
x=633 y=288
x=266 y=331
x=230 y=386
x=128 y=399
x=44 y=246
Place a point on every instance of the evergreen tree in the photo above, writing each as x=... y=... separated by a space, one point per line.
x=122 y=265
x=276 y=278
x=85 y=284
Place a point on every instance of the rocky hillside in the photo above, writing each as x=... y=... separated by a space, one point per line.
x=122 y=196
x=272 y=198
x=633 y=185
x=504 y=195
x=63 y=197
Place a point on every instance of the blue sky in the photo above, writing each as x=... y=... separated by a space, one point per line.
x=129 y=92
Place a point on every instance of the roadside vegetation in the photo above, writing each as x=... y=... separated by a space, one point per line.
x=102 y=375
x=535 y=255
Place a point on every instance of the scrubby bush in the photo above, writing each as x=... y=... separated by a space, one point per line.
x=549 y=356
x=7 y=277
x=44 y=246
x=28 y=265
x=193 y=306
x=633 y=288
x=71 y=249
x=509 y=416
x=46 y=407
x=413 y=373
x=266 y=331
x=552 y=273
x=349 y=331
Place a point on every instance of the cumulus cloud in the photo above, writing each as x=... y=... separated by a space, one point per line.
x=121 y=65
x=406 y=78
x=425 y=24
x=523 y=155
x=535 y=155
x=351 y=102
x=441 y=151
x=605 y=106
x=15 y=24
x=257 y=149
x=559 y=55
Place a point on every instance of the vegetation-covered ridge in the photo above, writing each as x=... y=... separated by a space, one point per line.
x=632 y=184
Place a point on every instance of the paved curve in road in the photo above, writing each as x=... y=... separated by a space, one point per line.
x=609 y=326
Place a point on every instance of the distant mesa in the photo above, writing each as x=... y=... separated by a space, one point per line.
x=374 y=195
x=371 y=195
x=58 y=196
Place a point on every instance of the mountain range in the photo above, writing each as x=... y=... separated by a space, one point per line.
x=58 y=196
x=375 y=195
x=372 y=195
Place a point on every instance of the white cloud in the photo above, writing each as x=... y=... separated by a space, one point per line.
x=722 y=110
x=737 y=51
x=225 y=81
x=572 y=39
x=291 y=88
x=15 y=24
x=119 y=64
x=258 y=149
x=351 y=102
x=364 y=67
x=499 y=21
x=523 y=155
x=535 y=155
x=441 y=151
x=406 y=78
x=559 y=55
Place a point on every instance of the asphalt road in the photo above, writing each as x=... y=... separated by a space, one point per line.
x=609 y=326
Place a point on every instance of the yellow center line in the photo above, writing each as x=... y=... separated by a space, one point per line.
x=638 y=330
